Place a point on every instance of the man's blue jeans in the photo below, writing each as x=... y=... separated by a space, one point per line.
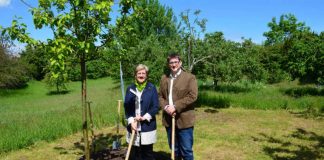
x=183 y=142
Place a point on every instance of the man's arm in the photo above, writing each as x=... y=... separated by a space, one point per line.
x=191 y=96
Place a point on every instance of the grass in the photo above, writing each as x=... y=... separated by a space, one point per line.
x=30 y=115
x=258 y=96
x=231 y=133
x=257 y=122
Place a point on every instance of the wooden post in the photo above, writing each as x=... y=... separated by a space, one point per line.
x=91 y=119
x=85 y=133
x=172 y=138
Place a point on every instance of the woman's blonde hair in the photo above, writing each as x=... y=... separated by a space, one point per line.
x=141 y=67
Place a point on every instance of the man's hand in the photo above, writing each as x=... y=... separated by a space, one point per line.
x=170 y=109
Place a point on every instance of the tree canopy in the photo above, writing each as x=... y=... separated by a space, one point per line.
x=146 y=33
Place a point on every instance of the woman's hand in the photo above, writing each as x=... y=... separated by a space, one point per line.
x=134 y=125
x=139 y=118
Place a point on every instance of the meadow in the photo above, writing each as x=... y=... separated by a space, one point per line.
x=234 y=121
x=285 y=95
x=33 y=114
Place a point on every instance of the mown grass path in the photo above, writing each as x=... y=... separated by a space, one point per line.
x=222 y=134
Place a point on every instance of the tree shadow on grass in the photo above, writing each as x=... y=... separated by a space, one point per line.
x=11 y=92
x=310 y=112
x=50 y=93
x=62 y=150
x=305 y=146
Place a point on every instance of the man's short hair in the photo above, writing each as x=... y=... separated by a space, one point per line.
x=173 y=55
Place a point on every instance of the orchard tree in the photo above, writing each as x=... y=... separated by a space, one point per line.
x=306 y=57
x=223 y=63
x=78 y=26
x=214 y=44
x=300 y=50
x=271 y=59
x=190 y=32
x=284 y=29
x=250 y=58
x=320 y=56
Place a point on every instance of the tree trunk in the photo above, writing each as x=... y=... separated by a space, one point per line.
x=215 y=81
x=57 y=87
x=84 y=107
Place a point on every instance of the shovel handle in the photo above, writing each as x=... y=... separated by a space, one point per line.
x=130 y=145
x=172 y=138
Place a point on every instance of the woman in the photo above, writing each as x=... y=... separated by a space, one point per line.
x=141 y=105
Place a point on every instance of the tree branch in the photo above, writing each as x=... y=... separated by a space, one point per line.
x=28 y=5
x=197 y=60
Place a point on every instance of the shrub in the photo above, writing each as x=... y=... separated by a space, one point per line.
x=13 y=73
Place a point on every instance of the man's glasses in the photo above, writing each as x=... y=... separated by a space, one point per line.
x=174 y=62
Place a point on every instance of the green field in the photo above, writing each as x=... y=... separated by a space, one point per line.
x=31 y=114
x=256 y=122
x=220 y=134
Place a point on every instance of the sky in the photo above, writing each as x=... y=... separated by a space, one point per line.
x=235 y=18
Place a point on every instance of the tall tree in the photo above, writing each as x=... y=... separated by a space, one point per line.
x=77 y=25
x=223 y=63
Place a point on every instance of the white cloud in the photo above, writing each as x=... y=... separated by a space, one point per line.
x=4 y=3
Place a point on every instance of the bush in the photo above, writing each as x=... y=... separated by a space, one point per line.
x=97 y=69
x=13 y=73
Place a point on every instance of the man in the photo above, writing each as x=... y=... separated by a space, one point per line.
x=177 y=94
